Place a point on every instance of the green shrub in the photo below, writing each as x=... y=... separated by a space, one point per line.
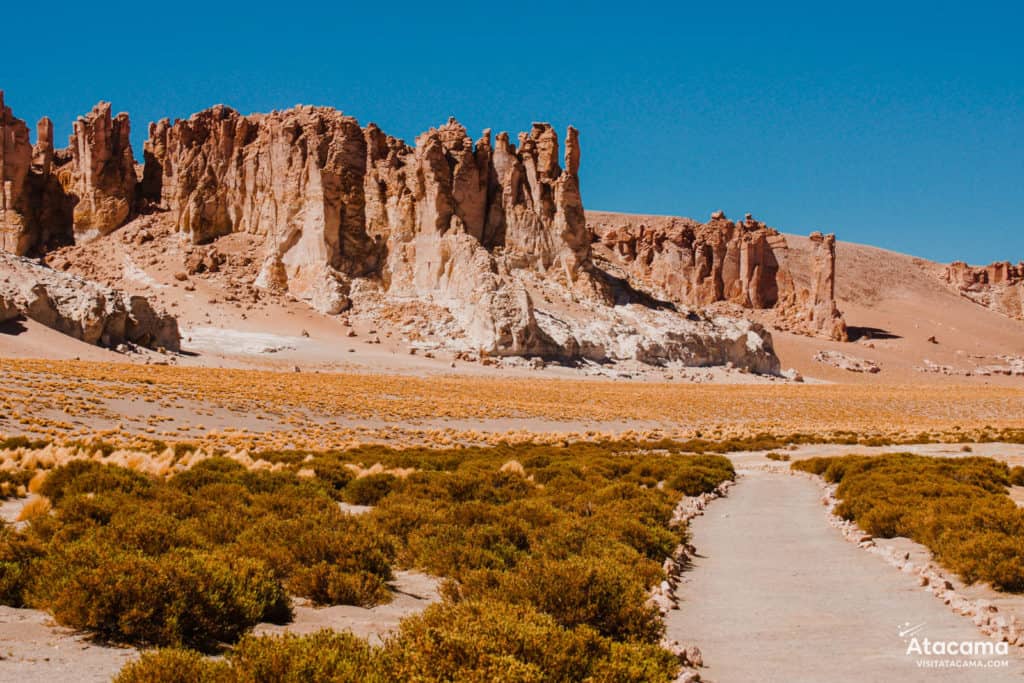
x=370 y=489
x=11 y=480
x=18 y=554
x=322 y=657
x=175 y=666
x=957 y=507
x=11 y=442
x=174 y=599
x=572 y=535
x=89 y=477
x=329 y=584
x=596 y=592
x=493 y=640
x=1017 y=476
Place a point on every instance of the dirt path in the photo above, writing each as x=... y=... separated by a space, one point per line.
x=776 y=594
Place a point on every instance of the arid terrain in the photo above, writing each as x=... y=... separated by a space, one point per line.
x=293 y=399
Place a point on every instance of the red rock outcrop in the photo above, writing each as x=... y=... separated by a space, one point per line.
x=15 y=164
x=334 y=210
x=697 y=264
x=101 y=174
x=52 y=197
x=998 y=286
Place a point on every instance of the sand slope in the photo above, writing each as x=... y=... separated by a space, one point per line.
x=900 y=301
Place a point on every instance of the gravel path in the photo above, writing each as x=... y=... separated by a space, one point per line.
x=776 y=594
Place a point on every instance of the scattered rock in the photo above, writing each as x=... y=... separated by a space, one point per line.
x=845 y=361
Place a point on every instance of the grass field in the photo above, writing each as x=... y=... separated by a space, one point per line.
x=255 y=410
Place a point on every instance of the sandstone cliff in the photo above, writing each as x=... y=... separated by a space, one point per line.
x=998 y=286
x=15 y=163
x=101 y=173
x=56 y=197
x=332 y=201
x=693 y=264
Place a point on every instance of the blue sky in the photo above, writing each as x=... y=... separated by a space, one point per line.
x=895 y=124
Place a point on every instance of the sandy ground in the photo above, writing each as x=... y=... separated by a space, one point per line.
x=776 y=594
x=35 y=650
x=1017 y=493
x=412 y=593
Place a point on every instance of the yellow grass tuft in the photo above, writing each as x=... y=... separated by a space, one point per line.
x=36 y=481
x=513 y=466
x=35 y=507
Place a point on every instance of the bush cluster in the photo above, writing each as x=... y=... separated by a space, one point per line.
x=1017 y=476
x=548 y=553
x=465 y=641
x=194 y=560
x=957 y=507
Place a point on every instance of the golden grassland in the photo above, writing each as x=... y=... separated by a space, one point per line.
x=128 y=404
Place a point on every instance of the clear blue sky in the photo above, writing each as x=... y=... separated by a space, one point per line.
x=898 y=124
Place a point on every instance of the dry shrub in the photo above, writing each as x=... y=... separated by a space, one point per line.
x=957 y=507
x=35 y=507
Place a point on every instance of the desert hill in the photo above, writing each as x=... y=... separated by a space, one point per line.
x=893 y=305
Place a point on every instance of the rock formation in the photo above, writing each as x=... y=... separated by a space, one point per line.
x=823 y=316
x=845 y=361
x=8 y=310
x=998 y=286
x=101 y=175
x=54 y=197
x=332 y=201
x=330 y=211
x=696 y=264
x=687 y=263
x=82 y=309
x=15 y=164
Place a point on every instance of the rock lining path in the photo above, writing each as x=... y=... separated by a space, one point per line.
x=776 y=594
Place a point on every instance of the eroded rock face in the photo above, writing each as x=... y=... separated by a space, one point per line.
x=998 y=286
x=101 y=174
x=823 y=315
x=53 y=197
x=687 y=263
x=333 y=201
x=15 y=164
x=83 y=309
x=294 y=179
x=484 y=229
x=696 y=264
x=8 y=311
